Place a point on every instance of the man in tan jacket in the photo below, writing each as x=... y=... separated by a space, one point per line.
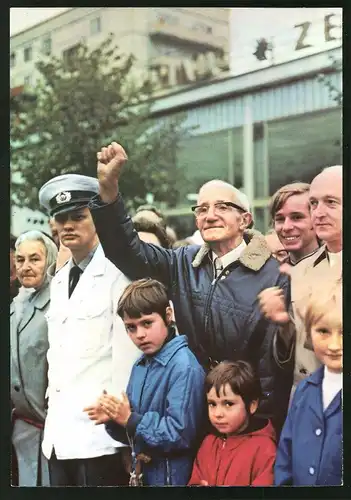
x=312 y=273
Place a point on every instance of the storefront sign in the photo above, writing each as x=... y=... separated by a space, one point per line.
x=170 y=72
x=261 y=37
x=331 y=25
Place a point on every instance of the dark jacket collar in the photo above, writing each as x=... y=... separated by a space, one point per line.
x=167 y=352
x=253 y=257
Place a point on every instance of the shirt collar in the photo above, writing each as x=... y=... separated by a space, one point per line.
x=166 y=353
x=302 y=258
x=231 y=256
x=334 y=258
x=84 y=263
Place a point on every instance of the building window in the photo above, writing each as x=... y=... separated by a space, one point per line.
x=13 y=59
x=69 y=55
x=27 y=54
x=47 y=46
x=204 y=28
x=167 y=19
x=95 y=26
x=28 y=81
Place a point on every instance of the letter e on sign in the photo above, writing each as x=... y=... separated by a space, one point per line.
x=328 y=26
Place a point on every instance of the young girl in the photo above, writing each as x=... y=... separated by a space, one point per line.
x=163 y=410
x=310 y=447
x=241 y=451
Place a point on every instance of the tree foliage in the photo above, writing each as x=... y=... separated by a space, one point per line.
x=334 y=92
x=84 y=100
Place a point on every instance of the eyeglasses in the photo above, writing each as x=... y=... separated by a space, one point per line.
x=220 y=208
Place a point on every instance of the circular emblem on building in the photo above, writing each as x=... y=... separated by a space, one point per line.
x=63 y=197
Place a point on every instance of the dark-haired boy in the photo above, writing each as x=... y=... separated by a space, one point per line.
x=164 y=406
x=241 y=450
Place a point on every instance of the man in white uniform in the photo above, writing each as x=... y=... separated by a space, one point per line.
x=89 y=350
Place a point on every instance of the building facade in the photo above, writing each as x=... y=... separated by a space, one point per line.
x=175 y=47
x=272 y=119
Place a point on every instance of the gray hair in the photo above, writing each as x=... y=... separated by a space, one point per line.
x=50 y=247
x=239 y=195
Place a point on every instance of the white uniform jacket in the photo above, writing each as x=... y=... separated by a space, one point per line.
x=89 y=351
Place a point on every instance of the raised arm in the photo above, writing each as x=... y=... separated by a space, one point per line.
x=115 y=228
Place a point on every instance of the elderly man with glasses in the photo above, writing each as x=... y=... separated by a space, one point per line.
x=213 y=287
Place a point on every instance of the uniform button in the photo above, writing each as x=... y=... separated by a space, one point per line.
x=318 y=432
x=311 y=471
x=17 y=388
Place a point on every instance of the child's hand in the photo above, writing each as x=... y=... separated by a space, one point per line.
x=95 y=412
x=116 y=409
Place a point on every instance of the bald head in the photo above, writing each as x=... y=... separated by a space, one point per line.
x=325 y=199
x=337 y=169
x=236 y=196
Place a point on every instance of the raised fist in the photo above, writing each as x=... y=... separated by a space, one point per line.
x=272 y=305
x=110 y=162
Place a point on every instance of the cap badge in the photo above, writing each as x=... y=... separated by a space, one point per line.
x=63 y=197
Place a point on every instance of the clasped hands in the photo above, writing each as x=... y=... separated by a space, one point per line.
x=110 y=407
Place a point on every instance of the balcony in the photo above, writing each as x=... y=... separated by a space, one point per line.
x=187 y=32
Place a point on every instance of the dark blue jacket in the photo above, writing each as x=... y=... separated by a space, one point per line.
x=221 y=317
x=166 y=392
x=310 y=446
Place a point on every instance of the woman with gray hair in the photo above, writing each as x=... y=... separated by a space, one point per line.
x=34 y=253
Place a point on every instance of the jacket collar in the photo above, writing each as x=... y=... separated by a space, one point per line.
x=320 y=255
x=167 y=352
x=38 y=302
x=315 y=400
x=316 y=378
x=253 y=257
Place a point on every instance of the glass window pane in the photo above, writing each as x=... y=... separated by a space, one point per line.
x=261 y=219
x=300 y=147
x=203 y=158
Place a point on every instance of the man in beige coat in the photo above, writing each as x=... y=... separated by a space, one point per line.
x=312 y=273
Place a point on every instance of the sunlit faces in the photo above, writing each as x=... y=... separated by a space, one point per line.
x=148 y=332
x=216 y=227
x=149 y=238
x=54 y=233
x=76 y=229
x=30 y=263
x=326 y=207
x=227 y=411
x=276 y=247
x=294 y=227
x=326 y=336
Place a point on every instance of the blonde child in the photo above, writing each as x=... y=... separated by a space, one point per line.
x=310 y=446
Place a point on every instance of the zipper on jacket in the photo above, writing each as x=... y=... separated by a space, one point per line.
x=168 y=475
x=208 y=302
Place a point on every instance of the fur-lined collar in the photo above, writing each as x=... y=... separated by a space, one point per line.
x=253 y=257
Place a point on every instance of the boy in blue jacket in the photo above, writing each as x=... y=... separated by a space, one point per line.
x=162 y=413
x=310 y=447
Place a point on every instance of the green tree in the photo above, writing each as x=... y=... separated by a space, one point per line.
x=334 y=92
x=83 y=101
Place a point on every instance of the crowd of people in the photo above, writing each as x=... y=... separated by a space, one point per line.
x=140 y=360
